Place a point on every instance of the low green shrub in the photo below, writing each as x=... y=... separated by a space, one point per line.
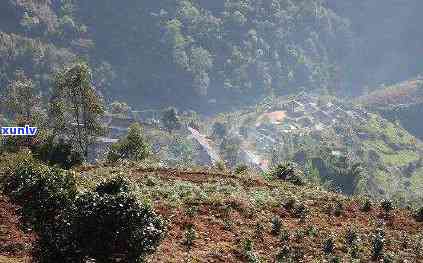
x=301 y=211
x=276 y=225
x=366 y=206
x=283 y=254
x=351 y=237
x=113 y=186
x=190 y=235
x=287 y=172
x=58 y=153
x=241 y=169
x=284 y=235
x=419 y=215
x=329 y=246
x=290 y=254
x=249 y=254
x=312 y=231
x=378 y=244
x=191 y=211
x=101 y=225
x=42 y=191
x=291 y=203
x=387 y=206
x=339 y=209
x=259 y=230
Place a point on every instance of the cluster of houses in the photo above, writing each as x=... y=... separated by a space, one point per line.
x=301 y=115
x=305 y=113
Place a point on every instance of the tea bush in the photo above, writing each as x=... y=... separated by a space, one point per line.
x=366 y=206
x=276 y=225
x=58 y=153
x=378 y=244
x=419 y=215
x=190 y=235
x=387 y=206
x=102 y=224
x=42 y=191
x=287 y=172
x=241 y=169
x=99 y=224
x=329 y=246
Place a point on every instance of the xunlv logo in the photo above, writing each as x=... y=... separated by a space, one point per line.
x=19 y=131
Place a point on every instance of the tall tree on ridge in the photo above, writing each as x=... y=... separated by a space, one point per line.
x=76 y=108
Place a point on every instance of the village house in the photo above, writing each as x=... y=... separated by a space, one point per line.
x=293 y=106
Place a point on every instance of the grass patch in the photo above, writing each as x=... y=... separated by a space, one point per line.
x=400 y=158
x=393 y=133
x=378 y=146
x=390 y=157
x=416 y=181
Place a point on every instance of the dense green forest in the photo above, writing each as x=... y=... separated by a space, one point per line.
x=215 y=53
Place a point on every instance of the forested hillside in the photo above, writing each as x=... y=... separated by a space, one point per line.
x=213 y=51
x=211 y=131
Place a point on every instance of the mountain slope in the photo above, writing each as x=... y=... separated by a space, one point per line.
x=402 y=102
x=227 y=210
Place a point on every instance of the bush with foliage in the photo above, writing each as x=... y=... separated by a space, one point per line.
x=329 y=246
x=113 y=186
x=419 y=215
x=219 y=130
x=133 y=147
x=351 y=237
x=249 y=254
x=378 y=244
x=276 y=225
x=59 y=153
x=287 y=172
x=387 y=206
x=230 y=150
x=101 y=225
x=181 y=151
x=190 y=235
x=290 y=203
x=339 y=209
x=76 y=107
x=42 y=191
x=312 y=231
x=367 y=205
x=290 y=254
x=301 y=211
x=241 y=169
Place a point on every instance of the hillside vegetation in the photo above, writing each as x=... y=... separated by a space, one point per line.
x=402 y=103
x=211 y=131
x=224 y=51
x=241 y=217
